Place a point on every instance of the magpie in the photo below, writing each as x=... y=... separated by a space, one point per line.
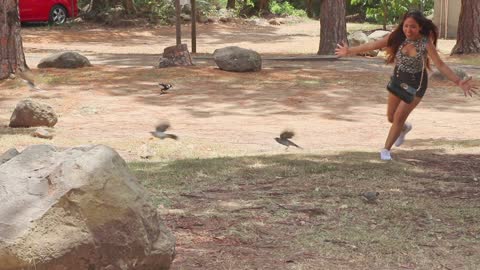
x=284 y=139
x=165 y=87
x=160 y=132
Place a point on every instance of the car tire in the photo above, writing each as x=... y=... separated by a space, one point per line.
x=58 y=15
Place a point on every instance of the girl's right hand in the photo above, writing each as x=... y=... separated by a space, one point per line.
x=341 y=50
x=467 y=86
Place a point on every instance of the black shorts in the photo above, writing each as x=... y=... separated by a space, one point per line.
x=413 y=79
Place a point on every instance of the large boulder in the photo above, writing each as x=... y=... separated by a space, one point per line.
x=64 y=60
x=30 y=113
x=358 y=38
x=378 y=34
x=78 y=208
x=9 y=154
x=237 y=59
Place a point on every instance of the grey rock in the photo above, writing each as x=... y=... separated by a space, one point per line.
x=379 y=34
x=9 y=154
x=78 y=208
x=64 y=60
x=359 y=38
x=237 y=59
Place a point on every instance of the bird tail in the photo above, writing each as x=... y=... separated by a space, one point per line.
x=172 y=136
x=294 y=144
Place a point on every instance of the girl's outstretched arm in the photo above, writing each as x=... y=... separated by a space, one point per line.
x=343 y=49
x=466 y=84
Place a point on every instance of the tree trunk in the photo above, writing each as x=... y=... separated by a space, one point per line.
x=309 y=5
x=129 y=7
x=468 y=33
x=12 y=57
x=385 y=14
x=262 y=5
x=231 y=4
x=333 y=27
x=98 y=6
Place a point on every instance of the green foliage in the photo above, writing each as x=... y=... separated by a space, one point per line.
x=209 y=7
x=160 y=9
x=285 y=8
x=375 y=9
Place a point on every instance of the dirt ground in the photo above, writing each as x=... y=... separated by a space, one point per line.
x=332 y=105
x=335 y=107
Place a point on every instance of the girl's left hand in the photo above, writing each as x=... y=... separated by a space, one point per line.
x=467 y=87
x=341 y=50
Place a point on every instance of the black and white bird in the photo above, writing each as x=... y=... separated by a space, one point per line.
x=28 y=77
x=285 y=137
x=160 y=132
x=370 y=196
x=164 y=87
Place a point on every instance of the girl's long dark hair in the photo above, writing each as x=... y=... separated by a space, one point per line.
x=397 y=37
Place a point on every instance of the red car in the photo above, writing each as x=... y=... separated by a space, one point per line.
x=53 y=11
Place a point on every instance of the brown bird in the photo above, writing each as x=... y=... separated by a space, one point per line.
x=160 y=132
x=284 y=139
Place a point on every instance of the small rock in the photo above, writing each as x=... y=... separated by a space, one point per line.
x=274 y=22
x=225 y=20
x=42 y=133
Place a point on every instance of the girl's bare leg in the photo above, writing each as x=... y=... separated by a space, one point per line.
x=392 y=104
x=400 y=115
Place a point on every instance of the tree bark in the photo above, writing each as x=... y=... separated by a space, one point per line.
x=129 y=7
x=262 y=5
x=333 y=27
x=98 y=6
x=231 y=4
x=385 y=14
x=309 y=9
x=12 y=57
x=468 y=33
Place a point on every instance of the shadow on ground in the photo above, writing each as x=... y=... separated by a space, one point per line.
x=305 y=212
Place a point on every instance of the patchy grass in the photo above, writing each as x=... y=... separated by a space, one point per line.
x=304 y=211
x=470 y=60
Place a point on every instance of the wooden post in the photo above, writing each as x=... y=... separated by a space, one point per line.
x=194 y=26
x=178 y=25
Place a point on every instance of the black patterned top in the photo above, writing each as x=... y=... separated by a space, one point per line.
x=412 y=64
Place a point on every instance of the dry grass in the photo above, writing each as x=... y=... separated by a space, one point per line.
x=304 y=212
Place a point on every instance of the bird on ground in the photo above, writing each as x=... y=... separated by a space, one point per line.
x=28 y=77
x=165 y=88
x=370 y=196
x=160 y=132
x=284 y=139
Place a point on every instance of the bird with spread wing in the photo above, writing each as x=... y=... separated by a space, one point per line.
x=285 y=137
x=27 y=76
x=160 y=132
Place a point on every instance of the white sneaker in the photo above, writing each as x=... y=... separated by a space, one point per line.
x=385 y=154
x=404 y=132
